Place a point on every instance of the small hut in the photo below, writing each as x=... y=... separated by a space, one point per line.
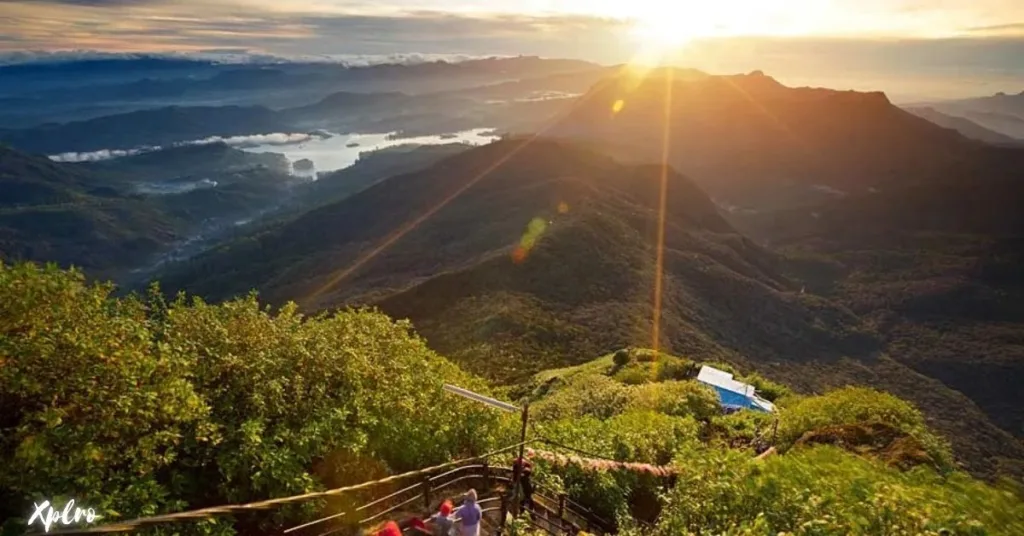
x=733 y=394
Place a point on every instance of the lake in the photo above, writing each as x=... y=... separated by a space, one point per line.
x=342 y=150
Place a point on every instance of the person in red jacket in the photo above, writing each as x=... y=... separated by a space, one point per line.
x=442 y=521
x=390 y=529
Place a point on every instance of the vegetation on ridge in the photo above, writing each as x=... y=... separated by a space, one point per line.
x=137 y=406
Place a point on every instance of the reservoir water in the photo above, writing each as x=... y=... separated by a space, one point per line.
x=342 y=150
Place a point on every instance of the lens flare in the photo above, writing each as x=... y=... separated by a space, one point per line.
x=534 y=230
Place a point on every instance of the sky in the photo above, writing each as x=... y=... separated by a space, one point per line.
x=933 y=47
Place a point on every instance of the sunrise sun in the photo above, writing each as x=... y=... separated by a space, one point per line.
x=662 y=31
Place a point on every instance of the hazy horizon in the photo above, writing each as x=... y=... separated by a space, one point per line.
x=912 y=49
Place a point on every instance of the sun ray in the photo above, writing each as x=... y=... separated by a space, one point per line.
x=659 y=262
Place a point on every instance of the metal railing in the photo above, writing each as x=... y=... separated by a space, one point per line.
x=495 y=481
x=233 y=509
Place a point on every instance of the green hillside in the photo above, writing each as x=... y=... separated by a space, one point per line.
x=113 y=216
x=157 y=407
x=549 y=259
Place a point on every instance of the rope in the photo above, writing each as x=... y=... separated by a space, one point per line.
x=212 y=511
x=597 y=461
x=601 y=463
x=583 y=452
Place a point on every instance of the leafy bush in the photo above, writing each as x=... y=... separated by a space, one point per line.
x=851 y=405
x=646 y=355
x=828 y=491
x=741 y=427
x=634 y=436
x=593 y=395
x=92 y=406
x=676 y=369
x=621 y=358
x=676 y=398
x=635 y=374
x=766 y=388
x=134 y=407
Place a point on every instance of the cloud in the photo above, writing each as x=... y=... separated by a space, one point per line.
x=1013 y=28
x=276 y=138
x=96 y=156
x=88 y=3
x=230 y=56
x=155 y=26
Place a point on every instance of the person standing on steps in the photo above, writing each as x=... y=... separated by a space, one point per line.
x=525 y=468
x=390 y=529
x=442 y=521
x=470 y=513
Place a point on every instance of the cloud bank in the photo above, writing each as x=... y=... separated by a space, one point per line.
x=276 y=138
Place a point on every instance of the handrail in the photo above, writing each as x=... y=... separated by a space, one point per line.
x=453 y=471
x=451 y=468
x=389 y=510
x=549 y=513
x=386 y=497
x=578 y=509
x=412 y=499
x=204 y=513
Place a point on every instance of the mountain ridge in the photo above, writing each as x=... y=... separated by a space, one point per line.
x=748 y=137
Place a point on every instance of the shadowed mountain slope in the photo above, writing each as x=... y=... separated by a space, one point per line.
x=69 y=215
x=550 y=258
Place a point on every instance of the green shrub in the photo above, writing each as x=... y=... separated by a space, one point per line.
x=676 y=369
x=766 y=388
x=827 y=491
x=593 y=395
x=743 y=426
x=646 y=355
x=636 y=373
x=679 y=398
x=851 y=405
x=634 y=436
x=98 y=406
x=148 y=407
x=621 y=358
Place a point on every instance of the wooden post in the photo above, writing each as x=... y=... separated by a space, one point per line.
x=503 y=513
x=775 y=429
x=517 y=467
x=561 y=512
x=426 y=493
x=487 y=476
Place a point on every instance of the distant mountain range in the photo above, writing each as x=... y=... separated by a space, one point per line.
x=964 y=126
x=32 y=94
x=506 y=94
x=1003 y=113
x=748 y=139
x=156 y=127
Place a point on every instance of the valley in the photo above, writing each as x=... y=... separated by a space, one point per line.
x=518 y=226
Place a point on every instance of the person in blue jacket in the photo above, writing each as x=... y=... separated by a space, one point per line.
x=470 y=515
